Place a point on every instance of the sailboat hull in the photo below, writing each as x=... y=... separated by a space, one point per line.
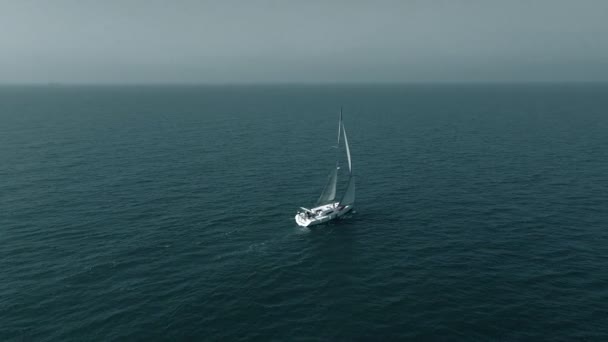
x=322 y=214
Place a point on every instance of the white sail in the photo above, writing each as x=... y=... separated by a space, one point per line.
x=329 y=192
x=350 y=167
x=349 y=195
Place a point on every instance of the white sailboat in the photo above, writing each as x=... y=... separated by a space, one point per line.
x=327 y=208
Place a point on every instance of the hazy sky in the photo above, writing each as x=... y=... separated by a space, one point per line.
x=132 y=41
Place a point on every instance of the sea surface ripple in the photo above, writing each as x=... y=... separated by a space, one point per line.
x=166 y=213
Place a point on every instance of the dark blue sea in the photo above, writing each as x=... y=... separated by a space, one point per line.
x=144 y=213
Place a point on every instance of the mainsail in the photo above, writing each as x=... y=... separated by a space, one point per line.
x=329 y=192
x=349 y=195
x=350 y=167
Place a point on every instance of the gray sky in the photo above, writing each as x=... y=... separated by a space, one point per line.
x=130 y=41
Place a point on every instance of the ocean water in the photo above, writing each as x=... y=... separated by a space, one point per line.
x=166 y=213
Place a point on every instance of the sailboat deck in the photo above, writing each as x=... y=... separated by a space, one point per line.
x=321 y=214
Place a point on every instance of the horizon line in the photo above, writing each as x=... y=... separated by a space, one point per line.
x=299 y=83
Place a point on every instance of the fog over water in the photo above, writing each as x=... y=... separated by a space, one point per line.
x=315 y=41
